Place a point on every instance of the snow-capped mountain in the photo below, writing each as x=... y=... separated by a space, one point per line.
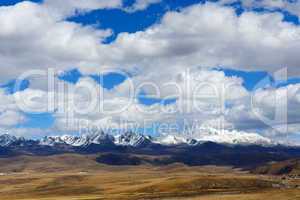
x=171 y=140
x=101 y=138
x=6 y=140
x=216 y=136
x=138 y=140
x=132 y=139
x=126 y=139
x=84 y=140
x=52 y=140
x=230 y=137
x=74 y=140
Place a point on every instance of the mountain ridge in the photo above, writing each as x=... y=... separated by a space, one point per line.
x=135 y=139
x=138 y=149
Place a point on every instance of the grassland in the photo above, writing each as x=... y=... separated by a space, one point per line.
x=76 y=177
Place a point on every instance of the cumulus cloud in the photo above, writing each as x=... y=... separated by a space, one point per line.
x=32 y=38
x=173 y=57
x=208 y=95
x=220 y=102
x=10 y=114
x=218 y=37
x=251 y=41
x=10 y=118
x=39 y=36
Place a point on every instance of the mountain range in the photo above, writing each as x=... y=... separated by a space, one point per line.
x=211 y=147
x=137 y=140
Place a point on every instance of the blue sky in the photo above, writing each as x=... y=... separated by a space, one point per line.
x=121 y=21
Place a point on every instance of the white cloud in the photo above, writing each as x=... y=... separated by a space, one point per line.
x=141 y=5
x=232 y=112
x=37 y=36
x=32 y=37
x=29 y=133
x=217 y=38
x=10 y=115
x=291 y=6
x=71 y=7
x=11 y=118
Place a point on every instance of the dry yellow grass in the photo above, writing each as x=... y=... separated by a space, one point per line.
x=87 y=180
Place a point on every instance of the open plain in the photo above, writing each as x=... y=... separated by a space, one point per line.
x=78 y=177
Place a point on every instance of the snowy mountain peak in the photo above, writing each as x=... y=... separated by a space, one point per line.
x=132 y=139
x=100 y=138
x=230 y=137
x=214 y=135
x=137 y=140
x=6 y=140
x=171 y=140
x=83 y=140
x=51 y=140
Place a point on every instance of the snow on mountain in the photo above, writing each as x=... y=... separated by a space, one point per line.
x=74 y=140
x=101 y=138
x=126 y=139
x=132 y=139
x=135 y=139
x=216 y=136
x=171 y=140
x=83 y=140
x=51 y=141
x=230 y=137
x=6 y=140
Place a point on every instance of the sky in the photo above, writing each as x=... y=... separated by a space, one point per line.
x=155 y=66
